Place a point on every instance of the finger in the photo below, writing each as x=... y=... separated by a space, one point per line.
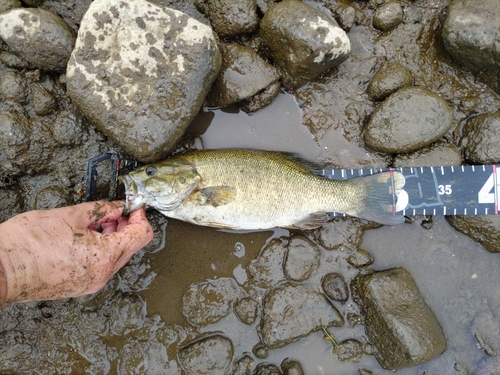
x=109 y=227
x=102 y=212
x=122 y=223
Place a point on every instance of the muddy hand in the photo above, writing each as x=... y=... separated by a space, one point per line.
x=67 y=252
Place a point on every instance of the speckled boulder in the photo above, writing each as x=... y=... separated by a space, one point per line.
x=481 y=138
x=39 y=36
x=140 y=73
x=302 y=41
x=407 y=120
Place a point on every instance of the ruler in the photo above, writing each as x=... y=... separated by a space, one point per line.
x=447 y=190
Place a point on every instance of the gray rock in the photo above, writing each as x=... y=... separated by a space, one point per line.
x=13 y=60
x=13 y=87
x=242 y=365
x=230 y=18
x=388 y=79
x=291 y=367
x=43 y=101
x=482 y=229
x=481 y=139
x=266 y=369
x=335 y=287
x=11 y=203
x=246 y=309
x=291 y=311
x=436 y=155
x=486 y=331
x=52 y=197
x=6 y=5
x=140 y=72
x=388 y=16
x=267 y=270
x=210 y=355
x=14 y=136
x=302 y=258
x=348 y=350
x=314 y=42
x=243 y=74
x=132 y=312
x=398 y=321
x=340 y=232
x=262 y=99
x=360 y=258
x=397 y=125
x=471 y=34
x=209 y=301
x=68 y=128
x=39 y=36
x=260 y=351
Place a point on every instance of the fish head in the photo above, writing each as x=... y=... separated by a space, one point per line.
x=163 y=185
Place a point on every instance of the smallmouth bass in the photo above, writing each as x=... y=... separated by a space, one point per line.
x=251 y=189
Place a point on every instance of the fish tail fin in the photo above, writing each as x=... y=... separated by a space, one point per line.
x=380 y=194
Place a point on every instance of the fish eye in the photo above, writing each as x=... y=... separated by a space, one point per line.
x=182 y=180
x=150 y=171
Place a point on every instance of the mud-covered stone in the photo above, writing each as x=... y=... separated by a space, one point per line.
x=291 y=367
x=262 y=99
x=267 y=270
x=11 y=203
x=68 y=128
x=302 y=41
x=260 y=351
x=481 y=139
x=292 y=311
x=397 y=125
x=13 y=60
x=246 y=309
x=360 y=258
x=137 y=357
x=388 y=79
x=266 y=369
x=132 y=312
x=140 y=73
x=471 y=34
x=42 y=100
x=52 y=197
x=230 y=18
x=209 y=301
x=243 y=74
x=39 y=36
x=335 y=287
x=242 y=366
x=209 y=355
x=398 y=321
x=348 y=350
x=340 y=232
x=486 y=331
x=13 y=87
x=388 y=16
x=302 y=258
x=438 y=154
x=14 y=136
x=482 y=229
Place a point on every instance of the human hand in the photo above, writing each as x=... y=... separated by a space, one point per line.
x=60 y=253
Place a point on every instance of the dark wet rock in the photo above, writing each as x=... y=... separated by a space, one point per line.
x=486 y=331
x=260 y=351
x=13 y=87
x=13 y=60
x=398 y=321
x=397 y=125
x=209 y=301
x=246 y=309
x=481 y=139
x=438 y=154
x=388 y=79
x=291 y=367
x=72 y=11
x=210 y=355
x=52 y=197
x=242 y=365
x=262 y=99
x=388 y=16
x=345 y=13
x=6 y=5
x=14 y=133
x=230 y=18
x=302 y=258
x=267 y=270
x=243 y=74
x=140 y=73
x=292 y=311
x=43 y=101
x=349 y=350
x=68 y=128
x=360 y=258
x=340 y=232
x=11 y=203
x=314 y=42
x=39 y=36
x=132 y=312
x=266 y=369
x=471 y=34
x=482 y=229
x=335 y=287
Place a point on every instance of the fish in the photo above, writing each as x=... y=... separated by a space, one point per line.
x=257 y=190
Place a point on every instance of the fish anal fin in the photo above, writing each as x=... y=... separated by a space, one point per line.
x=312 y=221
x=213 y=195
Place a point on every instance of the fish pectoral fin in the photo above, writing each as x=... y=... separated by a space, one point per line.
x=214 y=195
x=312 y=221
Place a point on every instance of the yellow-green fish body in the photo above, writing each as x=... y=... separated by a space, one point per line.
x=250 y=189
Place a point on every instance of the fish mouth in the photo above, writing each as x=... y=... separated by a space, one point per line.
x=133 y=199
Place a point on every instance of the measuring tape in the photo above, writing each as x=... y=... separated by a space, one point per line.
x=450 y=190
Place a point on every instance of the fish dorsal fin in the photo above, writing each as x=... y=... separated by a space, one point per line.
x=311 y=221
x=214 y=195
x=312 y=167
